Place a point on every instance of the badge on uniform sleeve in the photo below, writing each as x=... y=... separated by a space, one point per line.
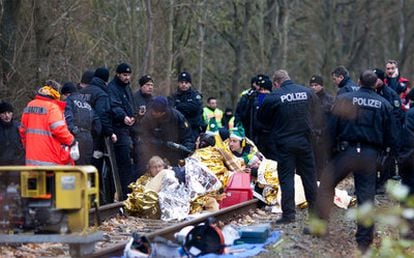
x=396 y=103
x=186 y=124
x=198 y=96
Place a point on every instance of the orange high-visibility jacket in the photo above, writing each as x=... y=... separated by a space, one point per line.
x=45 y=134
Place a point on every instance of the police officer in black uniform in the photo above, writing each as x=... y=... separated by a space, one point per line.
x=161 y=126
x=81 y=121
x=96 y=94
x=143 y=98
x=361 y=128
x=289 y=112
x=189 y=102
x=123 y=118
x=245 y=110
x=387 y=162
x=319 y=139
x=340 y=77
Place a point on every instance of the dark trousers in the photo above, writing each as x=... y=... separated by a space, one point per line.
x=300 y=158
x=320 y=149
x=85 y=141
x=123 y=155
x=363 y=165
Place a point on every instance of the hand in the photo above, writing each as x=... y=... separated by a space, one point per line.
x=114 y=138
x=129 y=120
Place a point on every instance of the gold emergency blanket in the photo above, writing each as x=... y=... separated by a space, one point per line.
x=212 y=158
x=143 y=204
x=268 y=180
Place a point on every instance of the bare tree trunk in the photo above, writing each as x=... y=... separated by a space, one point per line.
x=201 y=42
x=146 y=67
x=285 y=29
x=8 y=29
x=41 y=30
x=170 y=44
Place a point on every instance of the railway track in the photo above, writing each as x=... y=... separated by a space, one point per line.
x=225 y=215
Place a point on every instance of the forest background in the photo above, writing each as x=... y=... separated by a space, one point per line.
x=222 y=43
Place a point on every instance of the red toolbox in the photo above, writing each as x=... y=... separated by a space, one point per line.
x=238 y=190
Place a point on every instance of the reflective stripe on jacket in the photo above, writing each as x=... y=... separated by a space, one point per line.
x=44 y=133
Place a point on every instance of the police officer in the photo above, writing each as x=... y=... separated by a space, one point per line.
x=143 y=98
x=161 y=126
x=340 y=77
x=288 y=111
x=123 y=118
x=245 y=107
x=320 y=140
x=362 y=126
x=387 y=163
x=96 y=94
x=189 y=102
x=81 y=120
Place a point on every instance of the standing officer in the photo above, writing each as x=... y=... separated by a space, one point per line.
x=361 y=126
x=81 y=121
x=288 y=112
x=143 y=98
x=387 y=166
x=123 y=118
x=189 y=102
x=320 y=140
x=340 y=77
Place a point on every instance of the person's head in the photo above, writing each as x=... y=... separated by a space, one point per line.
x=6 y=112
x=86 y=78
x=316 y=83
x=184 y=81
x=123 y=72
x=159 y=106
x=155 y=165
x=212 y=103
x=381 y=76
x=205 y=140
x=102 y=73
x=265 y=85
x=237 y=139
x=279 y=77
x=228 y=111
x=339 y=74
x=391 y=68
x=67 y=89
x=368 y=79
x=146 y=84
x=50 y=89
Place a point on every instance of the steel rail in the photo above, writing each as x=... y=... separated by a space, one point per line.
x=225 y=215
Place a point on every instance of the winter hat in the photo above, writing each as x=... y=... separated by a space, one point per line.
x=51 y=89
x=159 y=104
x=102 y=73
x=316 y=79
x=265 y=83
x=123 y=68
x=144 y=79
x=87 y=76
x=68 y=87
x=212 y=127
x=184 y=77
x=5 y=107
x=207 y=140
x=238 y=133
x=380 y=73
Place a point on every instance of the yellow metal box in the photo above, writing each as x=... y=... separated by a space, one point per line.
x=33 y=184
x=68 y=190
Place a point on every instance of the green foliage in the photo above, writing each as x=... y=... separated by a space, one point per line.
x=397 y=218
